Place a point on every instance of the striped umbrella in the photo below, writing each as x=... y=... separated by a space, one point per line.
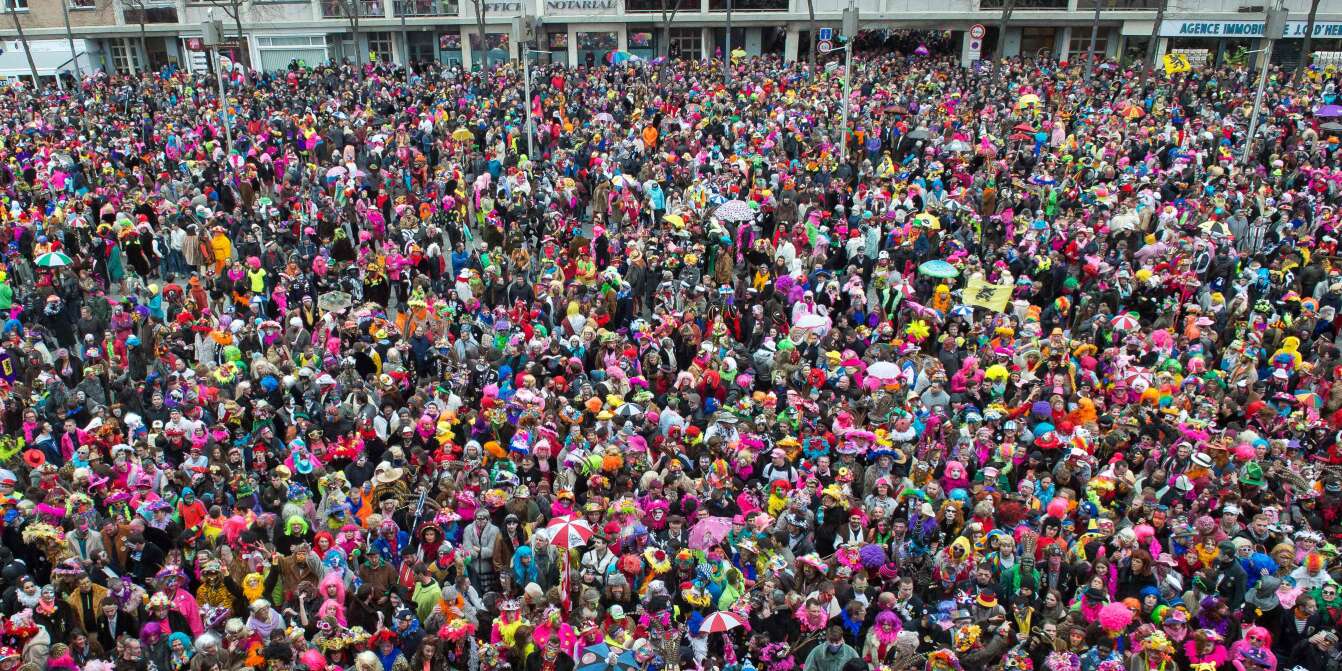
x=569 y=532
x=719 y=622
x=53 y=260
x=1124 y=322
x=735 y=210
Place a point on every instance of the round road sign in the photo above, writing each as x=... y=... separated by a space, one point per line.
x=824 y=46
x=977 y=31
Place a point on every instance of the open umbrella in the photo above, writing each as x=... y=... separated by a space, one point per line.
x=957 y=146
x=1217 y=229
x=938 y=268
x=463 y=135
x=600 y=657
x=334 y=301
x=628 y=410
x=604 y=117
x=735 y=210
x=1328 y=111
x=1016 y=137
x=618 y=57
x=569 y=532
x=719 y=622
x=1023 y=127
x=928 y=221
x=709 y=531
x=1332 y=127
x=884 y=370
x=1027 y=100
x=1125 y=322
x=811 y=321
x=675 y=220
x=337 y=171
x=919 y=134
x=53 y=260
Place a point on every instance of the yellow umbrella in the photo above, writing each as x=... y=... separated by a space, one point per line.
x=675 y=220
x=928 y=221
x=1027 y=99
x=462 y=135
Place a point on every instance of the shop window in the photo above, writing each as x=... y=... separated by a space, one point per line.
x=379 y=46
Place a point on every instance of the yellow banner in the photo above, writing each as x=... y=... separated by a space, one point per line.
x=1176 y=63
x=980 y=293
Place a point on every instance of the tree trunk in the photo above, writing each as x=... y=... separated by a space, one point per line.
x=484 y=36
x=810 y=52
x=1008 y=6
x=664 y=48
x=23 y=39
x=144 y=41
x=1308 y=41
x=1149 y=63
x=244 y=53
x=352 y=11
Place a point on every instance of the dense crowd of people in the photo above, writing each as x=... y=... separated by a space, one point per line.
x=1042 y=377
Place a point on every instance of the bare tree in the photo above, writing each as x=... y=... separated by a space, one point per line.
x=1149 y=63
x=1008 y=6
x=810 y=53
x=480 y=10
x=141 y=12
x=1307 y=43
x=23 y=39
x=664 y=44
x=352 y=9
x=233 y=9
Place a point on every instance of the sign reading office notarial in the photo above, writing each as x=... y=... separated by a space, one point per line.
x=1249 y=29
x=585 y=7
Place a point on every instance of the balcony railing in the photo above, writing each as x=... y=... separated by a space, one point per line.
x=151 y=13
x=427 y=8
x=747 y=5
x=336 y=9
x=1025 y=4
x=1120 y=5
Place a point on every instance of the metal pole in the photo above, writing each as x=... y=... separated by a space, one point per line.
x=526 y=104
x=847 y=96
x=223 y=102
x=1094 y=33
x=1258 y=95
x=727 y=52
x=70 y=37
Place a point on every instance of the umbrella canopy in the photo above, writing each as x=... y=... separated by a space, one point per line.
x=600 y=657
x=938 y=268
x=617 y=57
x=1217 y=229
x=812 y=321
x=604 y=117
x=53 y=260
x=884 y=370
x=1328 y=111
x=675 y=220
x=1027 y=99
x=1332 y=127
x=1125 y=322
x=719 y=622
x=957 y=146
x=919 y=134
x=709 y=532
x=628 y=410
x=735 y=210
x=928 y=221
x=334 y=301
x=463 y=135
x=569 y=532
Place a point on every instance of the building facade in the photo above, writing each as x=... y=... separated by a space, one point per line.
x=133 y=35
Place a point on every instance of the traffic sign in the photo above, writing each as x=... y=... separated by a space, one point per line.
x=824 y=46
x=826 y=34
x=977 y=31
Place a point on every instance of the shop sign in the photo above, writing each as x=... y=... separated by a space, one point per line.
x=1245 y=29
x=582 y=6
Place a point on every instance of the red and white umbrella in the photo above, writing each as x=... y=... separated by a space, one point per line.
x=1124 y=322
x=569 y=532
x=719 y=622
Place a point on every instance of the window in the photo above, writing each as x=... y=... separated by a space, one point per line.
x=677 y=6
x=379 y=46
x=150 y=14
x=558 y=40
x=16 y=5
x=1119 y=5
x=752 y=5
x=1079 y=45
x=125 y=57
x=335 y=9
x=686 y=43
x=427 y=8
x=1026 y=4
x=449 y=42
x=598 y=41
x=82 y=4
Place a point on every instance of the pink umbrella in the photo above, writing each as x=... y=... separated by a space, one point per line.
x=709 y=531
x=719 y=622
x=1124 y=322
x=569 y=532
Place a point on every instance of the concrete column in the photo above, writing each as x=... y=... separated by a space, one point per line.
x=466 y=47
x=1162 y=46
x=622 y=38
x=572 y=45
x=791 y=44
x=1062 y=42
x=969 y=50
x=1011 y=47
x=754 y=41
x=706 y=39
